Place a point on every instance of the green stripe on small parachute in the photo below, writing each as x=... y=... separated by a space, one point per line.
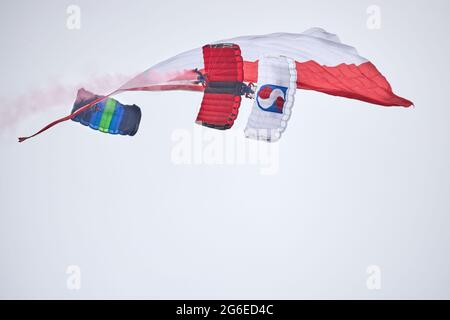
x=110 y=107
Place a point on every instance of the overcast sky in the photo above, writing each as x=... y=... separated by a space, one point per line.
x=355 y=185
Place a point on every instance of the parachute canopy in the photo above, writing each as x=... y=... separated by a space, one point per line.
x=223 y=78
x=274 y=99
x=108 y=115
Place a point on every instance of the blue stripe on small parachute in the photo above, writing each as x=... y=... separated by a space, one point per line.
x=97 y=111
x=116 y=119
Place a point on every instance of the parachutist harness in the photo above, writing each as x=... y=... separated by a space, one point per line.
x=201 y=78
x=247 y=90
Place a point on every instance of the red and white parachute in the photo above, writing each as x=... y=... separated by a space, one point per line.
x=268 y=68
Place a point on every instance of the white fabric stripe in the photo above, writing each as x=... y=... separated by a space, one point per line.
x=315 y=44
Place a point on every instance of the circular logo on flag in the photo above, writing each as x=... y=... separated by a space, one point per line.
x=271 y=98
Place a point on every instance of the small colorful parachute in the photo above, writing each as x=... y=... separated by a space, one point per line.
x=108 y=115
x=267 y=68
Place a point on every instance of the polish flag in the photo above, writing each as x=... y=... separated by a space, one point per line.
x=322 y=61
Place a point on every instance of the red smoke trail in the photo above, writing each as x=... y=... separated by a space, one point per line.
x=15 y=109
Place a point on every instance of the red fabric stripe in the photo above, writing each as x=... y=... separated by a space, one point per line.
x=363 y=82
